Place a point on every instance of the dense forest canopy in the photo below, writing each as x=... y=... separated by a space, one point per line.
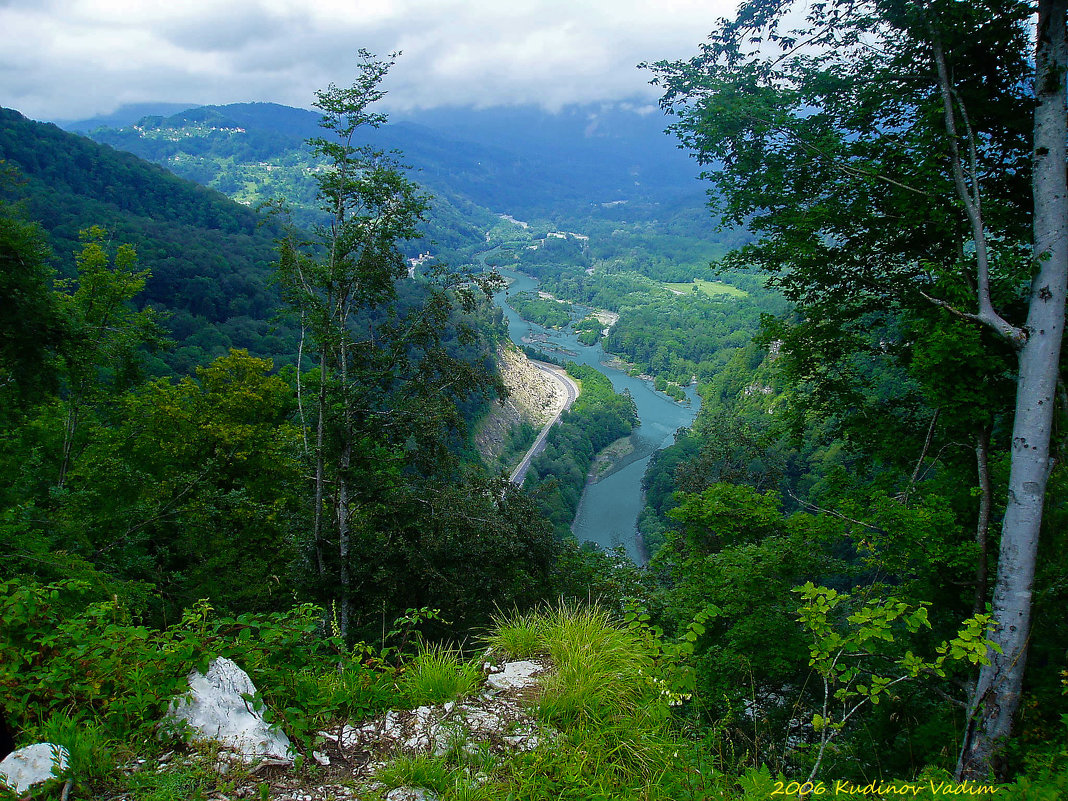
x=903 y=165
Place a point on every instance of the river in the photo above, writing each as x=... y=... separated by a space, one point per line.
x=609 y=509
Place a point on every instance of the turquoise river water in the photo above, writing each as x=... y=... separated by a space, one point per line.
x=609 y=509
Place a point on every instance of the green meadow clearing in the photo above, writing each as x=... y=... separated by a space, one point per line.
x=710 y=288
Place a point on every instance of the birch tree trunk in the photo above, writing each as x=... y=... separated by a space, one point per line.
x=344 y=516
x=982 y=526
x=997 y=693
x=344 y=530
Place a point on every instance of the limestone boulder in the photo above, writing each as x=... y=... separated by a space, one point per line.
x=515 y=676
x=217 y=708
x=410 y=794
x=35 y=764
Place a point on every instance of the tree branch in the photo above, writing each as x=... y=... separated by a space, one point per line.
x=970 y=197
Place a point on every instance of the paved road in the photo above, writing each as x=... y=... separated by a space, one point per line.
x=557 y=374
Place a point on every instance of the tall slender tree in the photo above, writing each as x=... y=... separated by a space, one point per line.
x=996 y=697
x=349 y=264
x=893 y=154
x=384 y=378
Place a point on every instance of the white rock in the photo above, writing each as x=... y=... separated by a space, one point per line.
x=516 y=675
x=410 y=794
x=321 y=758
x=481 y=720
x=350 y=736
x=423 y=715
x=392 y=725
x=522 y=742
x=22 y=769
x=447 y=736
x=420 y=741
x=216 y=710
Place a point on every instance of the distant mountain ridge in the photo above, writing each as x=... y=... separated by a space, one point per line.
x=124 y=115
x=212 y=259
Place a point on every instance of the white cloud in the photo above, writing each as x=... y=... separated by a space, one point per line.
x=76 y=58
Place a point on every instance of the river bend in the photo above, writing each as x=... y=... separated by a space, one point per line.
x=608 y=512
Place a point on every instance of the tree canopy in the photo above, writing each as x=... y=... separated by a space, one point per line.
x=904 y=162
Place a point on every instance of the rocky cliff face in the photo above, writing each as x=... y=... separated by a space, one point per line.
x=533 y=397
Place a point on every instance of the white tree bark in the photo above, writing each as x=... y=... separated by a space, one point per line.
x=997 y=693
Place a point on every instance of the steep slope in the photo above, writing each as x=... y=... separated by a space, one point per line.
x=256 y=151
x=512 y=423
x=212 y=260
x=209 y=257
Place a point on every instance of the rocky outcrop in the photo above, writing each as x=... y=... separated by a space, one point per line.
x=496 y=720
x=218 y=707
x=533 y=397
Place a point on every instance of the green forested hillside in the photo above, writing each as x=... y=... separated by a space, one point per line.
x=521 y=160
x=255 y=152
x=210 y=259
x=635 y=270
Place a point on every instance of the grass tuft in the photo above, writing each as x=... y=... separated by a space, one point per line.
x=438 y=674
x=518 y=636
x=601 y=669
x=431 y=773
x=613 y=740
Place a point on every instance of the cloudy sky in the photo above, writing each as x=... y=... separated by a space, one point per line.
x=71 y=59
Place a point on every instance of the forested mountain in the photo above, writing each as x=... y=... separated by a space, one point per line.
x=522 y=161
x=608 y=173
x=210 y=258
x=124 y=115
x=255 y=152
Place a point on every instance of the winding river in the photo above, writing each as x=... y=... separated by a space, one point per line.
x=609 y=509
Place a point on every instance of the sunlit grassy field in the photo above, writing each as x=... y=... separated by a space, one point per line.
x=710 y=288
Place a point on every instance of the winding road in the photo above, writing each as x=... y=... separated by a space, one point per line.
x=556 y=374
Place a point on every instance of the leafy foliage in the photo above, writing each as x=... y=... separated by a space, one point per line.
x=543 y=311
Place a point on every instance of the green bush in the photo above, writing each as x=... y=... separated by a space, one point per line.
x=60 y=650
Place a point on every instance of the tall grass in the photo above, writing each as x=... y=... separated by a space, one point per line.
x=518 y=636
x=602 y=672
x=436 y=675
x=611 y=737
